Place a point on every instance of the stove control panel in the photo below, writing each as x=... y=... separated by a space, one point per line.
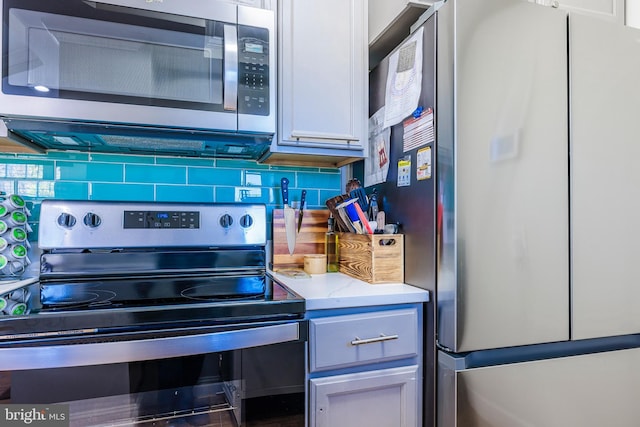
x=161 y=219
x=71 y=224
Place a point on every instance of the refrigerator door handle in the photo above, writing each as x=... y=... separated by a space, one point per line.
x=381 y=338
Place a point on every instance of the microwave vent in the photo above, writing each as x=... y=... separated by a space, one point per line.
x=153 y=143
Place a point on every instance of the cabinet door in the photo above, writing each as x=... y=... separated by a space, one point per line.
x=383 y=398
x=323 y=73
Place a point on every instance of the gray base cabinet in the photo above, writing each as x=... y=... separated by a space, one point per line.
x=386 y=397
x=365 y=367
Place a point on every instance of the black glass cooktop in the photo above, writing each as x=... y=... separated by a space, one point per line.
x=150 y=290
x=153 y=304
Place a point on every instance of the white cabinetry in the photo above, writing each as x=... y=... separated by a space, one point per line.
x=365 y=368
x=387 y=397
x=322 y=82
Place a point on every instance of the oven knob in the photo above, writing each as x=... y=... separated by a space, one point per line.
x=92 y=220
x=66 y=220
x=226 y=220
x=246 y=221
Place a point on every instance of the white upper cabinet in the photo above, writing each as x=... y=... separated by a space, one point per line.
x=322 y=83
x=610 y=10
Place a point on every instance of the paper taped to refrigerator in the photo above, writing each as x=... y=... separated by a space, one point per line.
x=404 y=80
x=376 y=166
x=418 y=131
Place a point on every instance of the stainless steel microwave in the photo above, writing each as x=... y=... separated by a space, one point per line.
x=179 y=71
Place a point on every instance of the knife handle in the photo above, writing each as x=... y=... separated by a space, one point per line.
x=284 y=185
x=303 y=198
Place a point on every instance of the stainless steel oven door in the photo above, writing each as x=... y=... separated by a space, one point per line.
x=236 y=376
x=187 y=64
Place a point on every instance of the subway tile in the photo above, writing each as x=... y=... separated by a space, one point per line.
x=17 y=170
x=324 y=195
x=312 y=200
x=7 y=186
x=8 y=157
x=330 y=170
x=294 y=197
x=255 y=178
x=70 y=190
x=292 y=168
x=35 y=211
x=33 y=236
x=184 y=193
x=30 y=188
x=272 y=178
x=156 y=174
x=122 y=158
x=214 y=176
x=72 y=156
x=52 y=189
x=32 y=169
x=243 y=195
x=40 y=171
x=125 y=192
x=318 y=180
x=184 y=161
x=225 y=194
x=89 y=171
x=239 y=164
x=80 y=176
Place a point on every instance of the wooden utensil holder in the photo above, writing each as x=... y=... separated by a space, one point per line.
x=373 y=258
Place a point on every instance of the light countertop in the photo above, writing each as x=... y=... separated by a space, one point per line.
x=337 y=290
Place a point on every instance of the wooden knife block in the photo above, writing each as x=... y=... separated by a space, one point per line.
x=309 y=241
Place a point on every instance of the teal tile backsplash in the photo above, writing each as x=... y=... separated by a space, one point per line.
x=84 y=176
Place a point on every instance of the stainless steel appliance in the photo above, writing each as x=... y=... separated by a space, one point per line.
x=192 y=77
x=157 y=313
x=524 y=229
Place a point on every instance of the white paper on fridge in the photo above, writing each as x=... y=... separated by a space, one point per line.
x=404 y=80
x=376 y=165
x=418 y=131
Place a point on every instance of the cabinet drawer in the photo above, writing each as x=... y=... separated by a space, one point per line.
x=358 y=339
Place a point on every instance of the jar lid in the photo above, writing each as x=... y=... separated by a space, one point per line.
x=17 y=201
x=18 y=251
x=18 y=234
x=19 y=217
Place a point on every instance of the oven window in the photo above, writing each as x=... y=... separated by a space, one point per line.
x=254 y=386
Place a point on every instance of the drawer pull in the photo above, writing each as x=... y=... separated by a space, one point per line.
x=381 y=338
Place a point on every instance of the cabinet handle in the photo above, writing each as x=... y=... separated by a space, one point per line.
x=381 y=338
x=331 y=136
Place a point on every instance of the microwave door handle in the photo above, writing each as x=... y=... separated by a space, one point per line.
x=230 y=67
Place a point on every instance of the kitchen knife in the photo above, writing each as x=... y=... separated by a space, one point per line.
x=289 y=216
x=303 y=198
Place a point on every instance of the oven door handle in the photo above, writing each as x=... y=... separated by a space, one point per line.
x=71 y=355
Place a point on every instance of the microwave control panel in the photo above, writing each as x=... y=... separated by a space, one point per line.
x=253 y=70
